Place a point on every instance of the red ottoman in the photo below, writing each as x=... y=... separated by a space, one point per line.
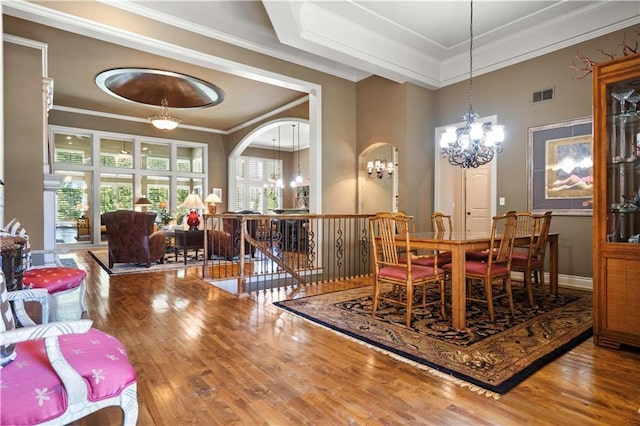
x=66 y=288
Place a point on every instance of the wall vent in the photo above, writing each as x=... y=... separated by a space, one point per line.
x=543 y=95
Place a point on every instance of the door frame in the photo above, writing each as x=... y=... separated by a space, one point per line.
x=446 y=178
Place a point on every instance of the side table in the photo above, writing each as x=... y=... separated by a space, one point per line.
x=188 y=240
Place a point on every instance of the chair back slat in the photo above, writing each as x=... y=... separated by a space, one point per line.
x=386 y=229
x=441 y=222
x=503 y=248
x=543 y=223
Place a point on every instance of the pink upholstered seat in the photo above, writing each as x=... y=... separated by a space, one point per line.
x=400 y=272
x=54 y=279
x=34 y=392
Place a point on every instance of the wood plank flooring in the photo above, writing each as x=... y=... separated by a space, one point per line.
x=205 y=357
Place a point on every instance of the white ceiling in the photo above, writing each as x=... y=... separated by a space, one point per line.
x=423 y=42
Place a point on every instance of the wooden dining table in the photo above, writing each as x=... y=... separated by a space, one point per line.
x=458 y=243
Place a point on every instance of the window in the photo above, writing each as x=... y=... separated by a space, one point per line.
x=72 y=149
x=260 y=190
x=72 y=197
x=116 y=153
x=161 y=169
x=116 y=192
x=155 y=156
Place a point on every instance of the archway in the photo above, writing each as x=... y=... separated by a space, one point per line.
x=378 y=191
x=296 y=145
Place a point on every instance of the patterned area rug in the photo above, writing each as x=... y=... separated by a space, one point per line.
x=170 y=263
x=487 y=357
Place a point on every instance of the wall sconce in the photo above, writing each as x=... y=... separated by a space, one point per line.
x=377 y=169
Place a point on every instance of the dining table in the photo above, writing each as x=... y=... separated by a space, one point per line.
x=458 y=243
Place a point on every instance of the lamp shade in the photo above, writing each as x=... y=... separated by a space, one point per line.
x=143 y=201
x=193 y=201
x=212 y=198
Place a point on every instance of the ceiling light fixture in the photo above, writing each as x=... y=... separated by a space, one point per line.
x=164 y=121
x=276 y=177
x=476 y=143
x=297 y=180
x=124 y=151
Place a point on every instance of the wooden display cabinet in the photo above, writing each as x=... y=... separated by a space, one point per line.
x=616 y=213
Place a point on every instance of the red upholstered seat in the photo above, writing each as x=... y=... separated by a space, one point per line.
x=443 y=259
x=39 y=396
x=54 y=279
x=478 y=267
x=400 y=272
x=519 y=259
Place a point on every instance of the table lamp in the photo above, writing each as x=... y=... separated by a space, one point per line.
x=211 y=201
x=193 y=203
x=143 y=202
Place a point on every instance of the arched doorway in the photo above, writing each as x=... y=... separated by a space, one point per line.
x=285 y=141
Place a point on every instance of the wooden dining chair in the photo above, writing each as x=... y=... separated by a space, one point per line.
x=524 y=225
x=495 y=269
x=441 y=222
x=404 y=277
x=531 y=262
x=441 y=225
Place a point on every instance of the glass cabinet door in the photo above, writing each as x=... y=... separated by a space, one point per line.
x=623 y=161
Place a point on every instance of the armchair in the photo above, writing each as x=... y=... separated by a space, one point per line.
x=52 y=379
x=226 y=243
x=131 y=238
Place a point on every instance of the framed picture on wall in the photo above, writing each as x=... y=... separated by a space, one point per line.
x=560 y=168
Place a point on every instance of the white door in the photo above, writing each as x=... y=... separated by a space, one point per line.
x=468 y=195
x=478 y=199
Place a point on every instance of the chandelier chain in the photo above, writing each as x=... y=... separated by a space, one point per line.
x=476 y=142
x=471 y=58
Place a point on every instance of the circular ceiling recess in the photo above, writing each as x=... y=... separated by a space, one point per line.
x=149 y=86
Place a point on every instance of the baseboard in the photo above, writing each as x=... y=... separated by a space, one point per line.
x=572 y=281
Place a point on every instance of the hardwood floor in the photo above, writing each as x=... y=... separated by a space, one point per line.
x=205 y=357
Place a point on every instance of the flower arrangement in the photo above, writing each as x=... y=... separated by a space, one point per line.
x=164 y=214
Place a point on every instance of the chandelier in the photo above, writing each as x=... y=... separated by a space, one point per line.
x=298 y=179
x=275 y=179
x=377 y=169
x=475 y=143
x=164 y=121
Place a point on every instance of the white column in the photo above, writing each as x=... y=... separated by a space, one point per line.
x=51 y=182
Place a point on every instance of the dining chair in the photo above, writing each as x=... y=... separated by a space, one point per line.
x=404 y=277
x=523 y=227
x=531 y=262
x=441 y=225
x=495 y=269
x=441 y=222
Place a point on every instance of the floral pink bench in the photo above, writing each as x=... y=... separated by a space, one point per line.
x=62 y=371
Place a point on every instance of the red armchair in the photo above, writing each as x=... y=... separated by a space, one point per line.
x=132 y=239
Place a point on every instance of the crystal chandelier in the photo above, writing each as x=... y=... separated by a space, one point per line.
x=476 y=143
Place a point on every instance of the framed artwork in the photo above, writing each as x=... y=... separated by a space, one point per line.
x=217 y=191
x=560 y=168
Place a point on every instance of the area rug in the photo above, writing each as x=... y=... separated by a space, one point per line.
x=170 y=263
x=488 y=357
